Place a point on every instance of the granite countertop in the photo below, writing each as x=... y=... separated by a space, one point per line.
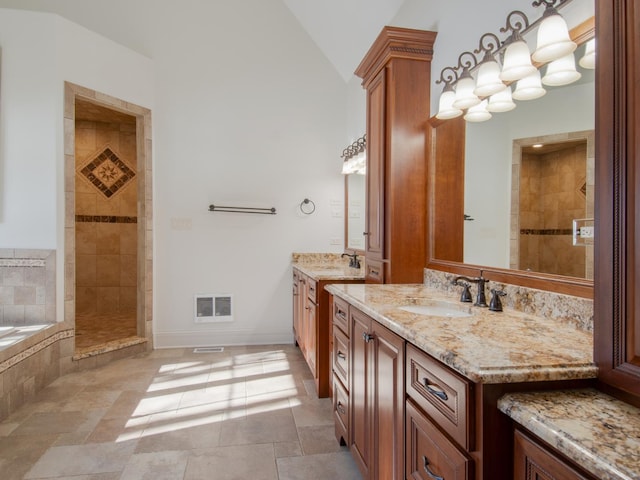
x=330 y=271
x=598 y=432
x=486 y=347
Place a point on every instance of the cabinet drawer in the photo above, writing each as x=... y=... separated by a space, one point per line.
x=311 y=290
x=341 y=315
x=430 y=454
x=341 y=356
x=441 y=393
x=533 y=461
x=374 y=271
x=340 y=411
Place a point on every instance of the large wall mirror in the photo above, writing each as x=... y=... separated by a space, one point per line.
x=528 y=173
x=355 y=202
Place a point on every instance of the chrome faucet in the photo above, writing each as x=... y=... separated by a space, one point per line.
x=481 y=299
x=354 y=261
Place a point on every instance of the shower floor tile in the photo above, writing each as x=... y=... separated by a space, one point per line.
x=98 y=329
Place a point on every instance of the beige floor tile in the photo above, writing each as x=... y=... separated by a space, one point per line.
x=234 y=462
x=329 y=466
x=180 y=432
x=287 y=449
x=275 y=426
x=312 y=411
x=156 y=466
x=19 y=453
x=318 y=439
x=82 y=460
x=51 y=422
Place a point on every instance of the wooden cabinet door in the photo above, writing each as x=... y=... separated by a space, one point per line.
x=360 y=391
x=311 y=340
x=296 y=308
x=376 y=144
x=302 y=313
x=388 y=403
x=531 y=461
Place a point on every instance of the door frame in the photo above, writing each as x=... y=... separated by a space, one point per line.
x=145 y=224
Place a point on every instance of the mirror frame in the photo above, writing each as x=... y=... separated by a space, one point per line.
x=578 y=287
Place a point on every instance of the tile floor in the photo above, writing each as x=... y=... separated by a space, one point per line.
x=248 y=412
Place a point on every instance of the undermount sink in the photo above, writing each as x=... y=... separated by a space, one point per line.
x=435 y=311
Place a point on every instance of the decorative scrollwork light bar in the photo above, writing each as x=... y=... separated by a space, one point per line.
x=355 y=157
x=491 y=91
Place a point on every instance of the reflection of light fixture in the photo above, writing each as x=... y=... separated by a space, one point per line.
x=554 y=45
x=445 y=108
x=588 y=60
x=553 y=36
x=529 y=88
x=501 y=101
x=355 y=157
x=561 y=71
x=537 y=145
x=478 y=113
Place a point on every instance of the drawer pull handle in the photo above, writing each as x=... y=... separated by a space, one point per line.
x=374 y=272
x=341 y=314
x=367 y=337
x=340 y=408
x=429 y=471
x=341 y=355
x=435 y=390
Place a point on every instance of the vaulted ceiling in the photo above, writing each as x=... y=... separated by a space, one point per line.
x=342 y=29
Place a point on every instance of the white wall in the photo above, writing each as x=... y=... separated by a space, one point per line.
x=248 y=113
x=39 y=52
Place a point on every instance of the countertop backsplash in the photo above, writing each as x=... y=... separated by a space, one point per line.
x=576 y=311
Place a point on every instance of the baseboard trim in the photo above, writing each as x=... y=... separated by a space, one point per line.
x=188 y=339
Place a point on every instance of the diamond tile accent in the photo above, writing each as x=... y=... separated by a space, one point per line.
x=107 y=172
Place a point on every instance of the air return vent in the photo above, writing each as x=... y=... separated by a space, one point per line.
x=208 y=350
x=213 y=308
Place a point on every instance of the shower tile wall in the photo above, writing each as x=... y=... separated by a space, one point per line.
x=552 y=194
x=106 y=218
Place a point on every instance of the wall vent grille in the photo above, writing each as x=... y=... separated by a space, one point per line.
x=213 y=308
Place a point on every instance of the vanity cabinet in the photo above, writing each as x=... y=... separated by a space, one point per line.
x=396 y=73
x=374 y=426
x=532 y=460
x=341 y=370
x=312 y=326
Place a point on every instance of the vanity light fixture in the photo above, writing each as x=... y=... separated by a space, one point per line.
x=488 y=81
x=529 y=88
x=555 y=48
x=446 y=109
x=517 y=58
x=478 y=113
x=561 y=71
x=588 y=60
x=465 y=98
x=501 y=101
x=553 y=35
